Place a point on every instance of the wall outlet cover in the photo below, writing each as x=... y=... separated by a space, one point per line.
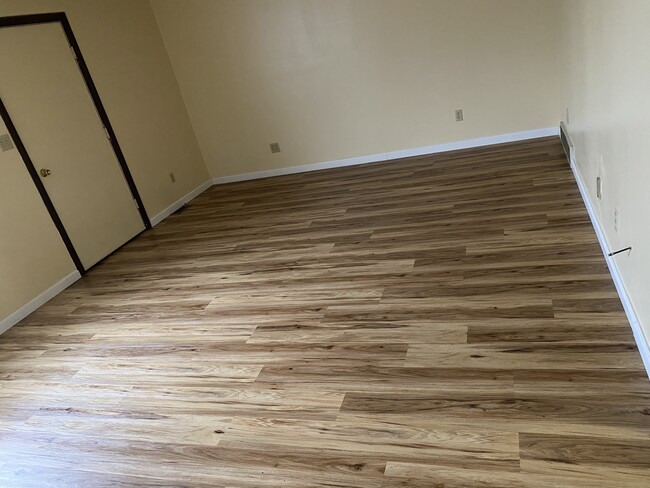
x=5 y=142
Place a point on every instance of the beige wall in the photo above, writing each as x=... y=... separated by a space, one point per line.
x=608 y=98
x=125 y=54
x=32 y=254
x=332 y=79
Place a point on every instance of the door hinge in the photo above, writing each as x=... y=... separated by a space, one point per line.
x=74 y=54
x=108 y=136
x=136 y=204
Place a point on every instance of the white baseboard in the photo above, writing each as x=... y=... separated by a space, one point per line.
x=40 y=300
x=406 y=153
x=24 y=311
x=180 y=202
x=640 y=338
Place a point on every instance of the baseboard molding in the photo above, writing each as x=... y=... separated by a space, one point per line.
x=180 y=202
x=40 y=300
x=639 y=336
x=8 y=322
x=406 y=153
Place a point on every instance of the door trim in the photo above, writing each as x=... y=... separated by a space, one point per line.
x=61 y=18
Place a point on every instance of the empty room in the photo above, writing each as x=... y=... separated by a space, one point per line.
x=324 y=243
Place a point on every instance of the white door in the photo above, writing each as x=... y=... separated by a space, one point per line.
x=48 y=101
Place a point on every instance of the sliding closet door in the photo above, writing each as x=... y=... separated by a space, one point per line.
x=49 y=104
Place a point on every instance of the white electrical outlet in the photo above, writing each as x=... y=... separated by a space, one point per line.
x=617 y=220
x=599 y=188
x=459 y=115
x=275 y=147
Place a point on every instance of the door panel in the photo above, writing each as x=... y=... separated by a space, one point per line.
x=56 y=119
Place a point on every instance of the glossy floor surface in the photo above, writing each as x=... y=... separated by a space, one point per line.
x=445 y=321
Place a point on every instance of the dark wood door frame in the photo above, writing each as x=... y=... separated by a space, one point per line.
x=61 y=18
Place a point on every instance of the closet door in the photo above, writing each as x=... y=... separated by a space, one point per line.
x=52 y=111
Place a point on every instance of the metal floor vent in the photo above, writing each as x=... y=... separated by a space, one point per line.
x=566 y=142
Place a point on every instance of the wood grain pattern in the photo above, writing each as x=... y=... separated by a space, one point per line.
x=444 y=321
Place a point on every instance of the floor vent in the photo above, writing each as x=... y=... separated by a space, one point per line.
x=566 y=142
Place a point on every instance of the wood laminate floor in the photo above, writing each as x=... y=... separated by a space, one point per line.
x=443 y=321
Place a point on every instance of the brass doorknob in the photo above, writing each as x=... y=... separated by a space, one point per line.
x=45 y=172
